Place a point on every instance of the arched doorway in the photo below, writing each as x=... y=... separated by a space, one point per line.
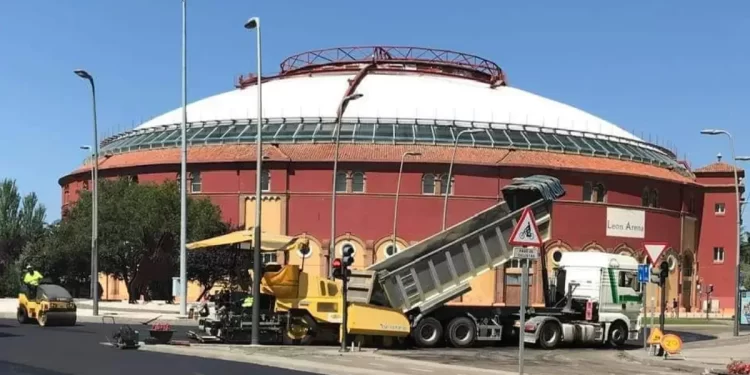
x=687 y=265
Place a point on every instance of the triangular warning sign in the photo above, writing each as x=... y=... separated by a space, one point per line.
x=526 y=232
x=655 y=337
x=654 y=250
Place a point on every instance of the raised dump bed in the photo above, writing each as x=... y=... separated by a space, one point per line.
x=440 y=268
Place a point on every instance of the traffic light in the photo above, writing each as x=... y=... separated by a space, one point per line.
x=337 y=268
x=347 y=252
x=710 y=289
x=663 y=272
x=341 y=265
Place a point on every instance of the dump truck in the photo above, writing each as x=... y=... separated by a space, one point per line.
x=583 y=304
x=406 y=295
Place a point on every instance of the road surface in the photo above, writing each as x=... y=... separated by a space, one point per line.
x=33 y=350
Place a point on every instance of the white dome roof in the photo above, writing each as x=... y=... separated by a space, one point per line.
x=408 y=95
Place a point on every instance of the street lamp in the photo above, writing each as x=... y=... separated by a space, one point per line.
x=94 y=200
x=337 y=133
x=737 y=304
x=88 y=148
x=183 y=170
x=398 y=188
x=450 y=170
x=254 y=24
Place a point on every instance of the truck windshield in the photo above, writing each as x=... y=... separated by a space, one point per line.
x=629 y=279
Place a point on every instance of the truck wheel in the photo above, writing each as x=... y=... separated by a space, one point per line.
x=301 y=331
x=618 y=334
x=550 y=335
x=427 y=333
x=461 y=332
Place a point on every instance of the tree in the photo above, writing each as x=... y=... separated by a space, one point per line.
x=209 y=266
x=21 y=221
x=139 y=226
x=61 y=255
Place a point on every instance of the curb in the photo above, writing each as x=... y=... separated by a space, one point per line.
x=87 y=306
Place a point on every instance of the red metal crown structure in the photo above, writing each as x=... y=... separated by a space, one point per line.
x=389 y=58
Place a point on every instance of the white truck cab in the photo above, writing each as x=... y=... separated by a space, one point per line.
x=607 y=280
x=611 y=280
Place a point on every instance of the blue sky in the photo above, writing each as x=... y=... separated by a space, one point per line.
x=661 y=69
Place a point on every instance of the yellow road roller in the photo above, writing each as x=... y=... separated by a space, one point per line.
x=48 y=305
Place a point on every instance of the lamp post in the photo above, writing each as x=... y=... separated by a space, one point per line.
x=737 y=304
x=337 y=131
x=450 y=170
x=88 y=148
x=254 y=23
x=94 y=200
x=398 y=189
x=183 y=170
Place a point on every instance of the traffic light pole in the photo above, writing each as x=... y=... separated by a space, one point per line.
x=663 y=304
x=345 y=307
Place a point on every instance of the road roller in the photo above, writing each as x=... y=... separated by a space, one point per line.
x=47 y=304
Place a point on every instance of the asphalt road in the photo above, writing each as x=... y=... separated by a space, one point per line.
x=33 y=350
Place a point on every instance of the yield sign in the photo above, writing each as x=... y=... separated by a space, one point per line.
x=526 y=232
x=654 y=250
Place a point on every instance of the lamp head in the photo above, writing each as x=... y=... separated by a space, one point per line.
x=82 y=73
x=711 y=131
x=252 y=23
x=414 y=153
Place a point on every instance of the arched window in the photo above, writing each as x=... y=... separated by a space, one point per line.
x=196 y=182
x=645 y=197
x=358 y=182
x=600 y=193
x=341 y=182
x=653 y=200
x=428 y=183
x=265 y=180
x=391 y=250
x=587 y=192
x=444 y=184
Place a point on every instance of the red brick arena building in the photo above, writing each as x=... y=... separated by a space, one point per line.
x=621 y=190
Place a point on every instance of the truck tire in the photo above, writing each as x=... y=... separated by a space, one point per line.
x=461 y=332
x=427 y=333
x=550 y=335
x=618 y=334
x=301 y=330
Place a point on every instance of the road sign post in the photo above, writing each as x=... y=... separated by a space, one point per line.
x=643 y=278
x=527 y=242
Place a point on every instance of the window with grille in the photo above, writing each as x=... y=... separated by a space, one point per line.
x=265 y=180
x=341 y=182
x=428 y=183
x=196 y=183
x=718 y=254
x=358 y=182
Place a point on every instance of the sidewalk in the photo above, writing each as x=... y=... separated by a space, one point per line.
x=714 y=355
